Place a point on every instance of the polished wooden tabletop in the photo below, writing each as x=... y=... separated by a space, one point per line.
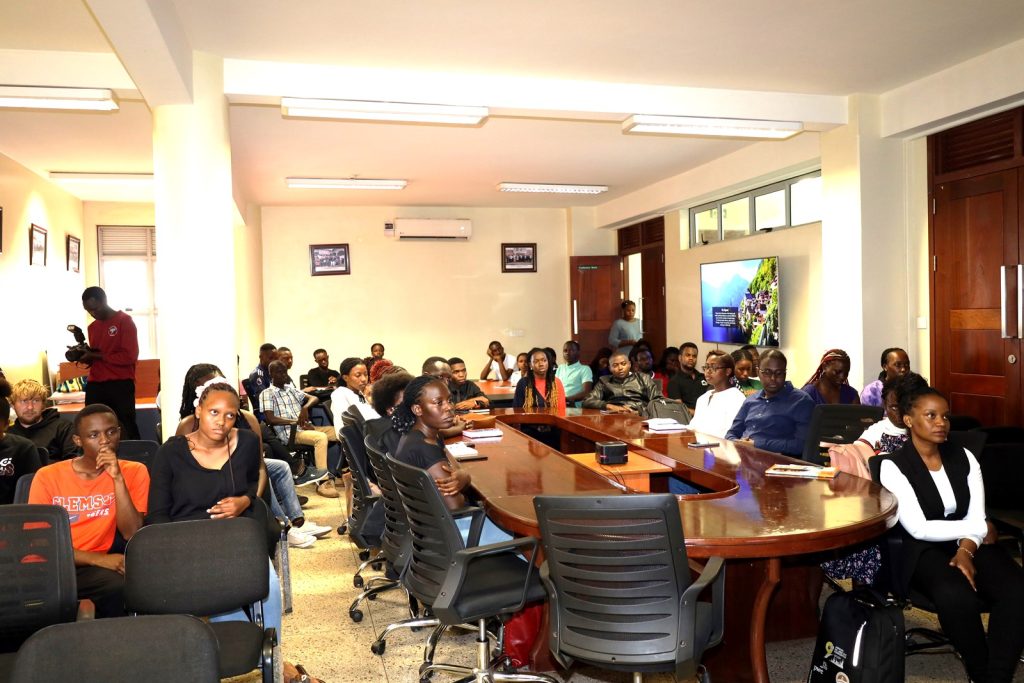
x=746 y=514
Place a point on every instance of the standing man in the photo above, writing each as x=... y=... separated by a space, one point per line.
x=578 y=379
x=112 y=356
x=688 y=385
x=498 y=362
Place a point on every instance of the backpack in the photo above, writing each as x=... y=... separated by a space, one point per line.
x=661 y=407
x=860 y=639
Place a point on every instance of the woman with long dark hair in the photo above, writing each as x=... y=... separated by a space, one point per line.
x=540 y=388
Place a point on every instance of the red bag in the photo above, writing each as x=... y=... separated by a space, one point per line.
x=521 y=631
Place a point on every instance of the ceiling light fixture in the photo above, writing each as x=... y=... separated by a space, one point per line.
x=382 y=111
x=345 y=184
x=75 y=177
x=42 y=97
x=713 y=127
x=552 y=188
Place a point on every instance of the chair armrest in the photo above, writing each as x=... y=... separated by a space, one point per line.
x=460 y=563
x=714 y=571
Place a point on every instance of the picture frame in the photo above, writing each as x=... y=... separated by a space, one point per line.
x=38 y=238
x=329 y=259
x=74 y=252
x=519 y=257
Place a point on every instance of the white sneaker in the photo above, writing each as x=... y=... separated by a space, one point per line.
x=297 y=538
x=311 y=528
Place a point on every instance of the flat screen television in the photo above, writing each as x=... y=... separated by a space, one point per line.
x=739 y=301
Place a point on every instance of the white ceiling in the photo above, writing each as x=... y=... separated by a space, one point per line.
x=815 y=47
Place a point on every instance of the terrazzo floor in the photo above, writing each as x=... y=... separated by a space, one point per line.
x=320 y=635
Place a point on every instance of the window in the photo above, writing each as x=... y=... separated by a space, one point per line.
x=795 y=201
x=127 y=257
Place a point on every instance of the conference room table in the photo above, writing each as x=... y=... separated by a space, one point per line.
x=498 y=392
x=770 y=529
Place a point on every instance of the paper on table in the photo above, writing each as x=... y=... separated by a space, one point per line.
x=492 y=433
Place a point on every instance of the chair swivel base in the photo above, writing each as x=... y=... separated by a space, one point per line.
x=487 y=667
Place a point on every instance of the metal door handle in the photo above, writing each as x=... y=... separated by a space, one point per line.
x=1002 y=302
x=575 y=318
x=1020 y=300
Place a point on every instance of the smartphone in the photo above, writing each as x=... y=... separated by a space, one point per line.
x=703 y=444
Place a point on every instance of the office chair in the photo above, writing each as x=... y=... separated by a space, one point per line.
x=138 y=450
x=464 y=584
x=1002 y=470
x=621 y=596
x=365 y=524
x=1003 y=434
x=207 y=567
x=837 y=423
x=963 y=423
x=277 y=545
x=156 y=649
x=22 y=487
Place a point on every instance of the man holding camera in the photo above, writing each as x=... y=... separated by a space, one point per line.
x=112 y=355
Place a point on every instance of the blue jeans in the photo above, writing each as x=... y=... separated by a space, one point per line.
x=271 y=607
x=284 y=503
x=490 y=533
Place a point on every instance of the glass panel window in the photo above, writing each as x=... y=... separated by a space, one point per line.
x=736 y=218
x=706 y=224
x=805 y=201
x=126 y=282
x=770 y=210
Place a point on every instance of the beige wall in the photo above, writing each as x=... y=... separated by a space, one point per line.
x=39 y=302
x=249 y=288
x=419 y=298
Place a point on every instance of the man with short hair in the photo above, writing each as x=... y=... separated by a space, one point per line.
x=112 y=356
x=577 y=378
x=40 y=425
x=688 y=384
x=259 y=378
x=284 y=354
x=436 y=366
x=498 y=362
x=624 y=391
x=322 y=376
x=777 y=417
x=465 y=394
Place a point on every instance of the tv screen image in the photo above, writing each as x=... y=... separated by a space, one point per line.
x=739 y=301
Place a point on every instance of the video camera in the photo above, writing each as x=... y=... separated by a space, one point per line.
x=76 y=352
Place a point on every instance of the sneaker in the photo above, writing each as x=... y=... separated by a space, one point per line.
x=302 y=500
x=299 y=539
x=311 y=476
x=313 y=529
x=327 y=489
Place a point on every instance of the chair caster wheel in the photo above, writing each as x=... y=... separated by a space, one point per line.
x=356 y=615
x=377 y=647
x=376 y=566
x=364 y=555
x=343 y=529
x=371 y=596
x=425 y=678
x=357 y=581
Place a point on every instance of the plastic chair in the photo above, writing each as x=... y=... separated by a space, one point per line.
x=138 y=450
x=837 y=423
x=156 y=649
x=203 y=568
x=621 y=595
x=22 y=488
x=366 y=524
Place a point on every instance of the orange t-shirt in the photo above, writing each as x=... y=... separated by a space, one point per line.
x=90 y=503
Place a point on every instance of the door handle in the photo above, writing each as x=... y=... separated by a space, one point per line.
x=575 y=318
x=1020 y=300
x=1002 y=302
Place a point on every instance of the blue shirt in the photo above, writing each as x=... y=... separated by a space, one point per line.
x=622 y=330
x=777 y=424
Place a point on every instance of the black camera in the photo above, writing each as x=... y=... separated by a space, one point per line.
x=76 y=352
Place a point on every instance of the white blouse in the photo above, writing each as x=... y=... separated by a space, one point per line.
x=716 y=410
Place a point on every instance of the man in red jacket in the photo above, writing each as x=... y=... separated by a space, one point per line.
x=113 y=353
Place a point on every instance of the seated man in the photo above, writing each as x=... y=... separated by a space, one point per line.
x=283 y=406
x=688 y=384
x=577 y=378
x=499 y=364
x=102 y=495
x=42 y=426
x=466 y=395
x=322 y=378
x=624 y=391
x=775 y=418
x=259 y=378
x=18 y=455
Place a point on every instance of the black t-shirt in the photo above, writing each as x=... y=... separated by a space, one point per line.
x=382 y=435
x=687 y=389
x=414 y=449
x=320 y=377
x=18 y=456
x=466 y=391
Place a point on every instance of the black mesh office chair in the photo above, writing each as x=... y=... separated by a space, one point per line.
x=621 y=596
x=1002 y=469
x=22 y=487
x=203 y=568
x=138 y=450
x=837 y=424
x=464 y=584
x=365 y=525
x=155 y=649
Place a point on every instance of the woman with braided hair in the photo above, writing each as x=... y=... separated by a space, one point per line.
x=540 y=388
x=829 y=382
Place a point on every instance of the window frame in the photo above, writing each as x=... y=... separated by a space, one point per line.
x=147 y=255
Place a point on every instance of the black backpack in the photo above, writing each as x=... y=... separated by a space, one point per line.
x=860 y=639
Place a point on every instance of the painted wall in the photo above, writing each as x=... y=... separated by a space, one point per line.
x=419 y=298
x=39 y=301
x=249 y=288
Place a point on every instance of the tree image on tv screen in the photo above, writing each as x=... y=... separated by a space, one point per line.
x=759 y=310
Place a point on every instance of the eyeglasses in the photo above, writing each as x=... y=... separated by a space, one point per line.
x=773 y=373
x=712 y=368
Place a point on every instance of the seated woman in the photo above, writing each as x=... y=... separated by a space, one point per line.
x=717 y=408
x=521 y=371
x=829 y=382
x=424 y=411
x=600 y=363
x=211 y=473
x=743 y=367
x=895 y=363
x=353 y=382
x=540 y=388
x=942 y=518
x=667 y=366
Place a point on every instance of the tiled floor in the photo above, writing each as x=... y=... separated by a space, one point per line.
x=320 y=634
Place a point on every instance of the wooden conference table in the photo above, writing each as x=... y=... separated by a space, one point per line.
x=758 y=523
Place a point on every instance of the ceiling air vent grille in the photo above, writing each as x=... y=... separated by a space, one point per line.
x=629 y=238
x=977 y=143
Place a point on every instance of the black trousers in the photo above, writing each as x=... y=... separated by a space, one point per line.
x=1000 y=580
x=104 y=587
x=119 y=394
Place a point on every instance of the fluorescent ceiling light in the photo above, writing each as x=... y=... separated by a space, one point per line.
x=345 y=184
x=382 y=111
x=138 y=178
x=40 y=97
x=552 y=189
x=693 y=125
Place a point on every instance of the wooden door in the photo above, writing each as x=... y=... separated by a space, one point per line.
x=976 y=296
x=652 y=263
x=595 y=288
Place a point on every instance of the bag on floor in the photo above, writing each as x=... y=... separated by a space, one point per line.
x=860 y=640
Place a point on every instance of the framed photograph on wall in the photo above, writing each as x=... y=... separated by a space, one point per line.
x=74 y=254
x=37 y=246
x=518 y=258
x=329 y=259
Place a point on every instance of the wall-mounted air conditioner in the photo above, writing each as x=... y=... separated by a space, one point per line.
x=433 y=228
